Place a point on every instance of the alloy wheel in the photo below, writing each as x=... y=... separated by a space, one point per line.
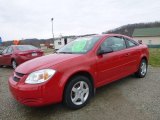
x=79 y=92
x=143 y=68
x=14 y=64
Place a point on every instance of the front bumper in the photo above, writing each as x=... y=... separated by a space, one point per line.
x=37 y=94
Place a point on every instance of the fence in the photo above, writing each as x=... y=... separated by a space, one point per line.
x=154 y=46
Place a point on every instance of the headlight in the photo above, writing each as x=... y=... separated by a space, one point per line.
x=40 y=76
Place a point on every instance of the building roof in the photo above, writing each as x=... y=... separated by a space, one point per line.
x=146 y=32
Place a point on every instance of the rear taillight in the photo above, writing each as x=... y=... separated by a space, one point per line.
x=42 y=53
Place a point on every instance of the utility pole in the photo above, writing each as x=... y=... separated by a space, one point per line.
x=52 y=32
x=52 y=28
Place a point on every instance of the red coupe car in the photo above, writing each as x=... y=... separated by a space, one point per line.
x=14 y=55
x=74 y=72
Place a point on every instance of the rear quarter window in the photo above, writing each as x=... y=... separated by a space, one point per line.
x=130 y=43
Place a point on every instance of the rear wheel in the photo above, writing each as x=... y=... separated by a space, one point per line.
x=142 y=71
x=78 y=92
x=14 y=64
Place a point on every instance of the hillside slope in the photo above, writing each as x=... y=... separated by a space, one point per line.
x=128 y=29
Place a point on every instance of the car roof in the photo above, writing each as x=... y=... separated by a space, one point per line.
x=112 y=34
x=20 y=45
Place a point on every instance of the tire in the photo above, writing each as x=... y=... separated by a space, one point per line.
x=14 y=64
x=77 y=92
x=142 y=71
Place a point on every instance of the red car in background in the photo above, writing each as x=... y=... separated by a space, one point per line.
x=14 y=55
x=74 y=72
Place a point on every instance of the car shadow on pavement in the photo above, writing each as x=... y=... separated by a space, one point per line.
x=45 y=112
x=49 y=111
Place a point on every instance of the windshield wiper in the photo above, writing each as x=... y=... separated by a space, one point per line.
x=65 y=52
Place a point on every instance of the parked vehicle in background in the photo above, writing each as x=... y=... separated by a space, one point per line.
x=14 y=55
x=74 y=72
x=2 y=48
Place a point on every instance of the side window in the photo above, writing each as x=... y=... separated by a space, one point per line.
x=10 y=50
x=130 y=43
x=59 y=43
x=5 y=51
x=116 y=43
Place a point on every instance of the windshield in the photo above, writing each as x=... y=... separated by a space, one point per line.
x=81 y=45
x=26 y=47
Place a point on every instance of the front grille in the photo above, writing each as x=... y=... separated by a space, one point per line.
x=19 y=74
x=16 y=79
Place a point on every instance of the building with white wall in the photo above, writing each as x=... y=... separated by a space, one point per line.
x=60 y=42
x=149 y=36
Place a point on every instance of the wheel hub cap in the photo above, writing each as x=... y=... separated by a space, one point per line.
x=14 y=64
x=79 y=93
x=143 y=68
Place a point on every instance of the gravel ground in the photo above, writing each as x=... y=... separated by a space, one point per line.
x=126 y=99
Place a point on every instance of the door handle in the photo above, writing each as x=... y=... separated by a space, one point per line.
x=127 y=54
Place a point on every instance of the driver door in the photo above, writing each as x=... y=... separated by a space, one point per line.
x=111 y=66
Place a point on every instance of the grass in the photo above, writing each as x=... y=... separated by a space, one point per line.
x=154 y=59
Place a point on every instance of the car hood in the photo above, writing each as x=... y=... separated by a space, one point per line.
x=44 y=62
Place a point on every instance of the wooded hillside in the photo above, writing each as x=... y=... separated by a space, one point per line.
x=125 y=30
x=128 y=29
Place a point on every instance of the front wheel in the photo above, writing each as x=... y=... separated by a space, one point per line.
x=142 y=71
x=14 y=64
x=78 y=92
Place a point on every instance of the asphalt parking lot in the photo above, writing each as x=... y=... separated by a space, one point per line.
x=126 y=99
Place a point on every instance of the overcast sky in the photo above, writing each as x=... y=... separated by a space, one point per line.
x=32 y=18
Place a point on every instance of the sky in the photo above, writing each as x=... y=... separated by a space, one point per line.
x=23 y=19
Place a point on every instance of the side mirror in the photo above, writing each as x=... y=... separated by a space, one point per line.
x=140 y=41
x=105 y=50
